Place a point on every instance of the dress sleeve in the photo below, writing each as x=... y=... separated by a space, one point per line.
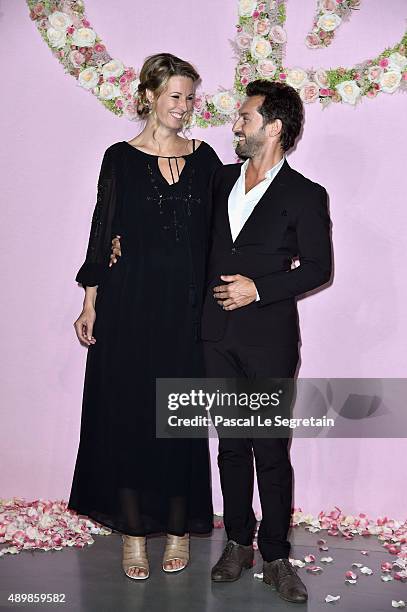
x=97 y=255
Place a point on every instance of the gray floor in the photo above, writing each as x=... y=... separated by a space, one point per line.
x=92 y=579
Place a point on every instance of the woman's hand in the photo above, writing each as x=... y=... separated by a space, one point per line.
x=84 y=325
x=116 y=250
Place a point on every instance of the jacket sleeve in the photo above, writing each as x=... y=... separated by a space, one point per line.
x=314 y=251
x=99 y=245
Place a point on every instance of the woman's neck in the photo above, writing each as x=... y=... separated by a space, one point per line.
x=160 y=140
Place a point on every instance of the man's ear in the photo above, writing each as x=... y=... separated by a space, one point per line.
x=274 y=128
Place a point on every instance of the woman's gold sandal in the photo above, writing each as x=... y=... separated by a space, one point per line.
x=177 y=548
x=134 y=555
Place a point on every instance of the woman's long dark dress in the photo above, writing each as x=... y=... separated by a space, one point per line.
x=147 y=324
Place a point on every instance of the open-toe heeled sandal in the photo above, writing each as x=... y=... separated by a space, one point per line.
x=134 y=555
x=177 y=548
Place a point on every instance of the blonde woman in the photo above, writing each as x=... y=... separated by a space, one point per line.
x=140 y=321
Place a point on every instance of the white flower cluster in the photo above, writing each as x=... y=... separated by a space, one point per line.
x=388 y=77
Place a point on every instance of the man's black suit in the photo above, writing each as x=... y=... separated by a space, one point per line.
x=261 y=340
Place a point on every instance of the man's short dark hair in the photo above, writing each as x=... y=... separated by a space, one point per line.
x=280 y=102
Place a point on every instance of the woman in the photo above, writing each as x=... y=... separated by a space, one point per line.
x=144 y=313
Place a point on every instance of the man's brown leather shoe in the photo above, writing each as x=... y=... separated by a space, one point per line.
x=281 y=575
x=234 y=558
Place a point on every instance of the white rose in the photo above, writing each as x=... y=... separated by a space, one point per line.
x=84 y=37
x=246 y=7
x=329 y=22
x=397 y=61
x=60 y=21
x=134 y=87
x=260 y=47
x=88 y=78
x=321 y=78
x=56 y=38
x=224 y=102
x=114 y=68
x=109 y=91
x=349 y=91
x=390 y=80
x=296 y=77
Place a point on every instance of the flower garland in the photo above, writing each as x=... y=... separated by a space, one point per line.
x=259 y=46
x=329 y=17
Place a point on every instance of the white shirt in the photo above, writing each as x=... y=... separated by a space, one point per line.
x=242 y=204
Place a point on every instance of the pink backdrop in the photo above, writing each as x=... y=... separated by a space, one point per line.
x=54 y=134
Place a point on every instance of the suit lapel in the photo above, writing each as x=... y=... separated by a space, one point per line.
x=226 y=187
x=273 y=190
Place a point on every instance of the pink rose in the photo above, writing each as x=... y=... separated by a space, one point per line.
x=309 y=93
x=111 y=79
x=262 y=7
x=282 y=76
x=119 y=103
x=207 y=115
x=243 y=40
x=244 y=70
x=266 y=68
x=262 y=27
x=278 y=34
x=244 y=80
x=130 y=108
x=384 y=62
x=38 y=9
x=328 y=5
x=312 y=41
x=99 y=48
x=256 y=15
x=85 y=23
x=123 y=79
x=374 y=73
x=322 y=34
x=324 y=91
x=404 y=76
x=198 y=103
x=372 y=93
x=77 y=58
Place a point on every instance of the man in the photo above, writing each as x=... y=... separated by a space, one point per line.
x=264 y=215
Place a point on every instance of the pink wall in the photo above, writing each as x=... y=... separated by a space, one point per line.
x=54 y=134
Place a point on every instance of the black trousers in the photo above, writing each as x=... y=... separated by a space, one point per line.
x=229 y=359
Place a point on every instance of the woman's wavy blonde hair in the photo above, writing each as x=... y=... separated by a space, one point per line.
x=155 y=74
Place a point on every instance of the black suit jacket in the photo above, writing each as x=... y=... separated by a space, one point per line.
x=290 y=220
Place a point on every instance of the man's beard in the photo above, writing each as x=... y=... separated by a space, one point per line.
x=248 y=148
